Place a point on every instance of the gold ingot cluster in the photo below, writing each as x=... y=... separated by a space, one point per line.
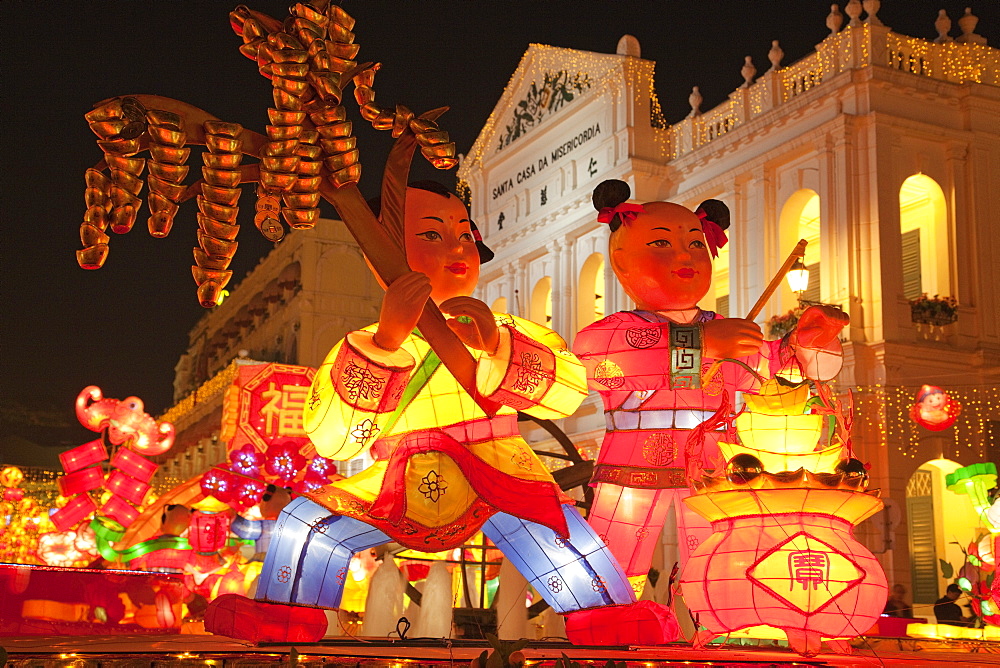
x=167 y=169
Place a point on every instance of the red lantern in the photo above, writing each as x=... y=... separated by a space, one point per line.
x=209 y=532
x=134 y=465
x=81 y=481
x=127 y=487
x=73 y=512
x=83 y=456
x=266 y=405
x=119 y=510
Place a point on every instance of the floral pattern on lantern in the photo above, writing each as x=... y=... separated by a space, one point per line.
x=284 y=461
x=246 y=461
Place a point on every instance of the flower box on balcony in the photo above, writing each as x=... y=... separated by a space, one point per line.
x=936 y=311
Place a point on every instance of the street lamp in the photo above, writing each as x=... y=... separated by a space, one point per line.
x=798 y=278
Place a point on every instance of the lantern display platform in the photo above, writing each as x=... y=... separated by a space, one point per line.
x=782 y=553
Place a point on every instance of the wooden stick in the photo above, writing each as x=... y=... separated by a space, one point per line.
x=798 y=252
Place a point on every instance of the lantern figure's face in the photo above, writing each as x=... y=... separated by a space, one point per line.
x=439 y=243
x=661 y=258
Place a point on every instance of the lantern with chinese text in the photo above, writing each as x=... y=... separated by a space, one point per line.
x=782 y=552
x=266 y=406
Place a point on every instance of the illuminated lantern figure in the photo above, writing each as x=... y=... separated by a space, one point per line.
x=975 y=482
x=444 y=468
x=782 y=552
x=934 y=409
x=666 y=399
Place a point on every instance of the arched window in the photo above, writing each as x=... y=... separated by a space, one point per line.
x=499 y=305
x=590 y=302
x=923 y=225
x=541 y=302
x=800 y=219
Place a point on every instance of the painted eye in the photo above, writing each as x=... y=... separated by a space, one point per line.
x=467 y=236
x=430 y=235
x=659 y=243
x=697 y=244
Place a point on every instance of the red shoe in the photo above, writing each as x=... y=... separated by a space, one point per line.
x=639 y=623
x=246 y=619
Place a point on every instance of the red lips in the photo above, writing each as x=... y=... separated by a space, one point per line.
x=686 y=272
x=458 y=268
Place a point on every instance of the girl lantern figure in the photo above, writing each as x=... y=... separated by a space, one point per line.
x=444 y=468
x=663 y=418
x=934 y=409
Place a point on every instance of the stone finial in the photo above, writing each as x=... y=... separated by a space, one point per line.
x=943 y=26
x=695 y=100
x=853 y=10
x=835 y=19
x=775 y=55
x=872 y=7
x=629 y=46
x=967 y=24
x=748 y=71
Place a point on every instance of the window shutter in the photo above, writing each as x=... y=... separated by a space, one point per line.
x=923 y=553
x=812 y=293
x=722 y=305
x=911 y=264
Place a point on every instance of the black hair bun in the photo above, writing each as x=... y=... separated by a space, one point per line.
x=716 y=211
x=610 y=194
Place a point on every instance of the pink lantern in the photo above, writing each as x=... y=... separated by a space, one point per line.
x=208 y=532
x=119 y=510
x=134 y=465
x=83 y=456
x=126 y=487
x=81 y=481
x=78 y=508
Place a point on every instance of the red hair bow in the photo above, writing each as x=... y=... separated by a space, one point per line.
x=627 y=212
x=715 y=236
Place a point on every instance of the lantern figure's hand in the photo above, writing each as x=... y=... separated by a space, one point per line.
x=819 y=326
x=478 y=329
x=731 y=338
x=401 y=308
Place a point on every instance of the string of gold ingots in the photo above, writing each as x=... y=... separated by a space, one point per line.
x=310 y=58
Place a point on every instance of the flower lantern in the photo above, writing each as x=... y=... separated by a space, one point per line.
x=782 y=552
x=975 y=482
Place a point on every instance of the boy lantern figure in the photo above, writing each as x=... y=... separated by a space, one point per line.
x=444 y=468
x=663 y=419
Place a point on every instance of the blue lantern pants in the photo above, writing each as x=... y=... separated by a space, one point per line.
x=311 y=549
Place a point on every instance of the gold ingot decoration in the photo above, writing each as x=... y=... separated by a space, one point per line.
x=338 y=64
x=335 y=130
x=226 y=161
x=295 y=71
x=308 y=200
x=108 y=129
x=284 y=117
x=160 y=204
x=250 y=49
x=422 y=125
x=321 y=61
x=221 y=195
x=288 y=55
x=307 y=12
x=251 y=29
x=366 y=77
x=95 y=197
x=217 y=229
x=107 y=111
x=364 y=95
x=92 y=257
x=96 y=216
x=269 y=225
x=160 y=224
x=340 y=17
x=439 y=150
x=208 y=293
x=96 y=179
x=339 y=145
x=172 y=191
x=122 y=197
x=288 y=163
x=228 y=178
x=337 y=162
x=168 y=136
x=339 y=33
x=126 y=181
x=301 y=219
x=432 y=137
x=384 y=121
x=206 y=261
x=329 y=115
x=281 y=148
x=350 y=174
x=306 y=184
x=284 y=40
x=92 y=236
x=370 y=111
x=202 y=275
x=293 y=86
x=214 y=246
x=131 y=165
x=162 y=118
x=120 y=146
x=310 y=167
x=277 y=180
x=401 y=120
x=174 y=155
x=327 y=84
x=309 y=150
x=775 y=397
x=220 y=144
x=286 y=100
x=169 y=172
x=123 y=218
x=220 y=212
x=222 y=128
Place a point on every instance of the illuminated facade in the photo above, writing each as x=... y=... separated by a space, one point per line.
x=880 y=149
x=302 y=298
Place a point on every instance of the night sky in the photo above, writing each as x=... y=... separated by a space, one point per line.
x=124 y=326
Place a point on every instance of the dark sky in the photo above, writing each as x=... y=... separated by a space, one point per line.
x=124 y=326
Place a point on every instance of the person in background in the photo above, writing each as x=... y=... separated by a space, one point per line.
x=897 y=606
x=947 y=611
